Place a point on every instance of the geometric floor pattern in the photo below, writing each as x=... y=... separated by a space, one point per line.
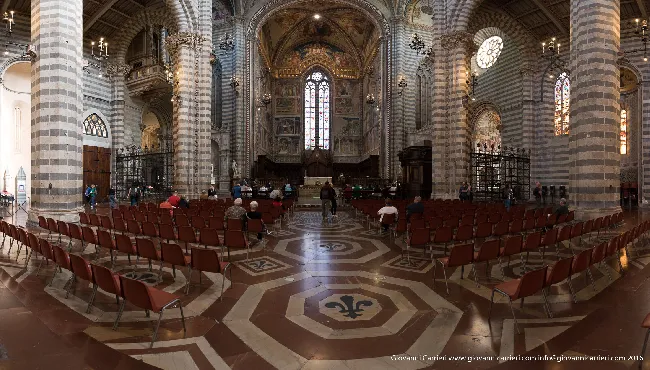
x=328 y=295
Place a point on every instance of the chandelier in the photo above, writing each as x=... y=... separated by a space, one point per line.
x=551 y=53
x=228 y=43
x=416 y=43
x=370 y=99
x=169 y=75
x=266 y=99
x=102 y=48
x=8 y=17
x=234 y=82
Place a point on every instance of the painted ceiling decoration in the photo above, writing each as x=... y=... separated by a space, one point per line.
x=306 y=33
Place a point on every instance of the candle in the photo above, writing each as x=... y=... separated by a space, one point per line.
x=543 y=47
x=106 y=45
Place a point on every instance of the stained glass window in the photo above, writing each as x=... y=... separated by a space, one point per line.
x=95 y=126
x=623 y=131
x=562 y=94
x=489 y=51
x=317 y=111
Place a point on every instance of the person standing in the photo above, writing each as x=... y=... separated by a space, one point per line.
x=334 y=205
x=236 y=191
x=112 y=201
x=212 y=192
x=87 y=194
x=134 y=194
x=93 y=196
x=507 y=196
x=326 y=200
x=538 y=194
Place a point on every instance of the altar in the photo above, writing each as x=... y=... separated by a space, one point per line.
x=317 y=181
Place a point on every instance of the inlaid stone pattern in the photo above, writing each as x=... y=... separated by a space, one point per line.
x=349 y=307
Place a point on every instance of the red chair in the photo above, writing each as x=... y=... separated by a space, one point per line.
x=587 y=228
x=63 y=229
x=501 y=229
x=146 y=249
x=532 y=243
x=442 y=235
x=76 y=234
x=105 y=241
x=42 y=223
x=527 y=285
x=463 y=234
x=210 y=238
x=576 y=232
x=236 y=224
x=149 y=299
x=467 y=220
x=34 y=245
x=571 y=216
x=107 y=224
x=516 y=226
x=119 y=225
x=139 y=216
x=94 y=220
x=133 y=227
x=149 y=229
x=52 y=227
x=216 y=223
x=90 y=238
x=181 y=220
x=417 y=223
x=235 y=239
x=418 y=238
x=83 y=218
x=560 y=271
x=167 y=232
x=186 y=235
x=173 y=254
x=529 y=224
x=81 y=269
x=198 y=222
x=483 y=230
x=598 y=254
x=166 y=218
x=511 y=247
x=389 y=221
x=62 y=259
x=489 y=250
x=581 y=262
x=460 y=255
x=550 y=238
x=45 y=248
x=124 y=245
x=208 y=260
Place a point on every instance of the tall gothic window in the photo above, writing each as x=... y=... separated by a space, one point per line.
x=317 y=111
x=562 y=90
x=95 y=126
x=216 y=95
x=623 y=131
x=422 y=99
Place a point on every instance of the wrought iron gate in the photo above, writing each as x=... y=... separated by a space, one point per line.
x=493 y=168
x=150 y=169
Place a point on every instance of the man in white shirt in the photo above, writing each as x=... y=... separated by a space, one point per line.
x=387 y=209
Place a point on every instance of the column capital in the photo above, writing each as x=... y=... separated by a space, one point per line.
x=457 y=39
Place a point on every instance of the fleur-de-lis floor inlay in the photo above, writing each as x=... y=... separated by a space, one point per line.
x=349 y=308
x=260 y=264
x=331 y=247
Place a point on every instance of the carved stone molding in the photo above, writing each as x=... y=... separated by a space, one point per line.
x=457 y=39
x=194 y=40
x=118 y=69
x=526 y=71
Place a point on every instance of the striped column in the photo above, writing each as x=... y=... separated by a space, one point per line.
x=595 y=112
x=57 y=103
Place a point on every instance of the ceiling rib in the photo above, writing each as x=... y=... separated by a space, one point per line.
x=99 y=14
x=641 y=5
x=552 y=17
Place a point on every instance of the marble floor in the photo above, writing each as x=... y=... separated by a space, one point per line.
x=334 y=296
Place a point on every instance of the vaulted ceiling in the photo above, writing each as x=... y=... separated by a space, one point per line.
x=337 y=28
x=548 y=18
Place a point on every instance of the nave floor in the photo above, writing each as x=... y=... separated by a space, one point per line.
x=323 y=297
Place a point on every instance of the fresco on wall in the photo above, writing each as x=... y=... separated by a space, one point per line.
x=287 y=125
x=487 y=129
x=288 y=145
x=343 y=88
x=219 y=11
x=348 y=141
x=286 y=106
x=343 y=106
x=287 y=89
x=417 y=12
x=305 y=55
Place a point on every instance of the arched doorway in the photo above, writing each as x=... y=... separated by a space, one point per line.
x=487 y=129
x=150 y=131
x=15 y=129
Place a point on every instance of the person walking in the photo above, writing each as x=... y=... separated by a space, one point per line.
x=134 y=194
x=538 y=194
x=236 y=191
x=326 y=196
x=93 y=196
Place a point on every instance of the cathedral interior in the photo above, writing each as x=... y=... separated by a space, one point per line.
x=521 y=108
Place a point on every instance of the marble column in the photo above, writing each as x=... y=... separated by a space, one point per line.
x=56 y=104
x=192 y=127
x=595 y=111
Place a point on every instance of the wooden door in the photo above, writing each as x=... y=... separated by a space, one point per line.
x=97 y=170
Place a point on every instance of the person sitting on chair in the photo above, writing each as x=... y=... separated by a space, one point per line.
x=563 y=209
x=416 y=207
x=387 y=209
x=254 y=214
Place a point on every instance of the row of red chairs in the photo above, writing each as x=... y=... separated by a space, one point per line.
x=541 y=280
x=138 y=293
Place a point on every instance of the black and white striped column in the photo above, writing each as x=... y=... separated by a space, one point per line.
x=595 y=112
x=57 y=103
